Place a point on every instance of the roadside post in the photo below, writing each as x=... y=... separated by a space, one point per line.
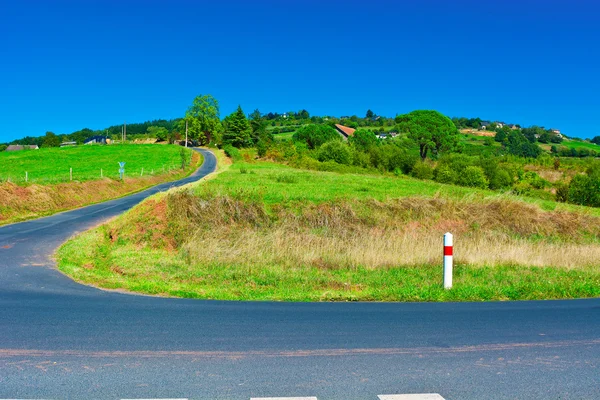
x=121 y=169
x=448 y=250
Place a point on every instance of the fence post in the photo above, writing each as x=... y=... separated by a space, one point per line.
x=101 y=175
x=71 y=173
x=142 y=173
x=448 y=253
x=26 y=176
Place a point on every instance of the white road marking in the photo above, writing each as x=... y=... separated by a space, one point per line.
x=420 y=396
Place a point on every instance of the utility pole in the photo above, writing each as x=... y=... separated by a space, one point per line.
x=186 y=132
x=122 y=139
x=125 y=130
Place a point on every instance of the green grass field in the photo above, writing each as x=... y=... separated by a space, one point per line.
x=46 y=166
x=573 y=144
x=265 y=231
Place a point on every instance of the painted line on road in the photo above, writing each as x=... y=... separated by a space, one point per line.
x=416 y=396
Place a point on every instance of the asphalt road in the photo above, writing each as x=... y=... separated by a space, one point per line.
x=62 y=340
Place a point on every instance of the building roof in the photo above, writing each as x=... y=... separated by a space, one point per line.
x=16 y=147
x=345 y=130
x=96 y=138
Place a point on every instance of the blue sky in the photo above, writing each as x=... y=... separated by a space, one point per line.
x=66 y=65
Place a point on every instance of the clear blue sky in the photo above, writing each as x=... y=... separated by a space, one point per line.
x=66 y=65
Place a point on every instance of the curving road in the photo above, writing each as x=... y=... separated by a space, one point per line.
x=62 y=340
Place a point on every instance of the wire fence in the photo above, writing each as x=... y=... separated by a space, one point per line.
x=80 y=175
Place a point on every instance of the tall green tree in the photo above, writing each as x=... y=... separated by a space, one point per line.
x=363 y=139
x=259 y=127
x=238 y=131
x=51 y=140
x=432 y=131
x=203 y=119
x=315 y=135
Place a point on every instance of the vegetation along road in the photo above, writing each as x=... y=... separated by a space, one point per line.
x=61 y=337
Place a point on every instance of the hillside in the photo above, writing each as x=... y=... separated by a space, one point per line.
x=266 y=231
x=35 y=183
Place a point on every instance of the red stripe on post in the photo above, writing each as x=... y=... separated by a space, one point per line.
x=447 y=250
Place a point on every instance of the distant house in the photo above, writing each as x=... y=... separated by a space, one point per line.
x=500 y=124
x=18 y=147
x=513 y=127
x=97 y=139
x=485 y=124
x=344 y=131
x=67 y=144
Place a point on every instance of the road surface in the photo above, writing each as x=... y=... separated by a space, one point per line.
x=62 y=340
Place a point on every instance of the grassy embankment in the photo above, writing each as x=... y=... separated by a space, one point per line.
x=264 y=231
x=49 y=189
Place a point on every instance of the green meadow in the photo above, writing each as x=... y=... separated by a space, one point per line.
x=53 y=165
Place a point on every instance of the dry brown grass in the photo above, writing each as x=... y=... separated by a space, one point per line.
x=239 y=229
x=19 y=203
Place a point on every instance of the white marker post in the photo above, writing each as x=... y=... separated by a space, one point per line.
x=26 y=176
x=448 y=260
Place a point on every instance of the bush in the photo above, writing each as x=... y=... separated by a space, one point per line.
x=535 y=181
x=444 y=174
x=501 y=180
x=335 y=151
x=473 y=177
x=562 y=192
x=232 y=152
x=422 y=170
x=585 y=190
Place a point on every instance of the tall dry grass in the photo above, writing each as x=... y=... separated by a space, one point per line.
x=239 y=229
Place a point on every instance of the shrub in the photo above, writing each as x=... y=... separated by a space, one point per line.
x=336 y=151
x=585 y=190
x=562 y=192
x=232 y=152
x=501 y=180
x=422 y=170
x=535 y=181
x=473 y=177
x=444 y=174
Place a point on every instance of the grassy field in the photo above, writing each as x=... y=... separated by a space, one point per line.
x=263 y=231
x=53 y=165
x=49 y=189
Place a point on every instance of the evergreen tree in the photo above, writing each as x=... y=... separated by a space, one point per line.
x=238 y=130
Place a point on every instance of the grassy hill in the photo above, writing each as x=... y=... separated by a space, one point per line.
x=52 y=165
x=49 y=188
x=266 y=231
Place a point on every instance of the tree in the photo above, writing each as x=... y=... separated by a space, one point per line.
x=237 y=129
x=315 y=135
x=363 y=139
x=370 y=114
x=203 y=119
x=50 y=140
x=303 y=114
x=431 y=131
x=157 y=132
x=259 y=128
